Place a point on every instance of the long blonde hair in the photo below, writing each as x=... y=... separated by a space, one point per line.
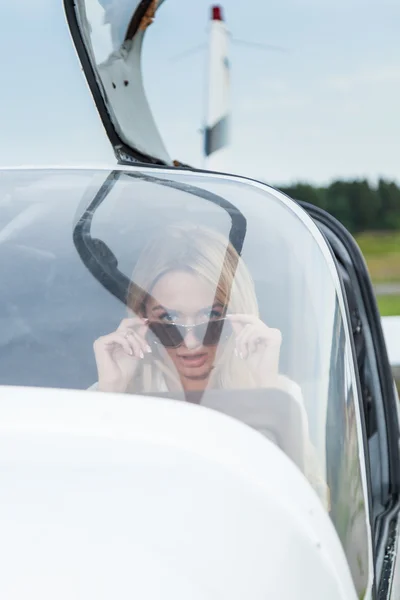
x=212 y=257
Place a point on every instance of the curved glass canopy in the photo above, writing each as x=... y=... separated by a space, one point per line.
x=198 y=287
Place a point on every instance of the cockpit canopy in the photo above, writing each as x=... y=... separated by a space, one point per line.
x=88 y=226
x=237 y=293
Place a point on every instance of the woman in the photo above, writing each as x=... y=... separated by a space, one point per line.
x=195 y=326
x=195 y=321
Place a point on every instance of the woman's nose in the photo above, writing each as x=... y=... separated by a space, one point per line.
x=191 y=341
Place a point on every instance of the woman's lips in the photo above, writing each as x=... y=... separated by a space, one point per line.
x=194 y=360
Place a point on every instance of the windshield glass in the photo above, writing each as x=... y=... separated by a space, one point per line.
x=197 y=287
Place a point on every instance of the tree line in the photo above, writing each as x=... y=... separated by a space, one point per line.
x=359 y=205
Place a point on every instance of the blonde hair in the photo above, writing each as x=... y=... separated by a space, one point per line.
x=212 y=257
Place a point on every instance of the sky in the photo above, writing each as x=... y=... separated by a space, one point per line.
x=327 y=107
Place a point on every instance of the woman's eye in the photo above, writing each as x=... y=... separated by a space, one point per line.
x=169 y=317
x=212 y=314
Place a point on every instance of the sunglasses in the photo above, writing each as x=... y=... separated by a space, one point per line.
x=208 y=333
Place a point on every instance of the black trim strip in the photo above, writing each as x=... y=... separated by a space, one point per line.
x=137 y=18
x=100 y=260
x=389 y=563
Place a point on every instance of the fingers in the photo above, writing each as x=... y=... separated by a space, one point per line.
x=244 y=319
x=240 y=321
x=107 y=342
x=135 y=331
x=252 y=337
x=132 y=323
x=249 y=340
x=246 y=341
x=130 y=343
x=138 y=343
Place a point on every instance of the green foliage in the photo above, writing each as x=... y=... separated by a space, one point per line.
x=356 y=204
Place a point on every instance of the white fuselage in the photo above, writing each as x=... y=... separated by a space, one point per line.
x=114 y=496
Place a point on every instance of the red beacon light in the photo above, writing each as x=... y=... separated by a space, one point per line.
x=217 y=13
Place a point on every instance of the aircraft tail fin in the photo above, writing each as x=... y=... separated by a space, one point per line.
x=217 y=126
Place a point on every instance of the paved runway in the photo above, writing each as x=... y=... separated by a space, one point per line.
x=387 y=289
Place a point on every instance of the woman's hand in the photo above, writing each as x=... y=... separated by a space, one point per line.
x=119 y=353
x=258 y=345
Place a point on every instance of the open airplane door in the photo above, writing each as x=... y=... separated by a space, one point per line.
x=109 y=40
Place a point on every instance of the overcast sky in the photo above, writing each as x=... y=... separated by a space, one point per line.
x=327 y=107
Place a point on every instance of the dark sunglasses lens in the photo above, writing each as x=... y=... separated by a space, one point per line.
x=167 y=334
x=216 y=331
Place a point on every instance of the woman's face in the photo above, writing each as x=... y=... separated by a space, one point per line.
x=184 y=298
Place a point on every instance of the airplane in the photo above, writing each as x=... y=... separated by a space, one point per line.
x=286 y=486
x=217 y=121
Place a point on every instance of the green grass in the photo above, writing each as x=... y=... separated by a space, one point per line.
x=382 y=253
x=379 y=243
x=389 y=306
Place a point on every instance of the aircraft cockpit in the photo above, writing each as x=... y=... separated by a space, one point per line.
x=194 y=287
x=197 y=400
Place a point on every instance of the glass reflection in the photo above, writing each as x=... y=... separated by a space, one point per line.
x=348 y=510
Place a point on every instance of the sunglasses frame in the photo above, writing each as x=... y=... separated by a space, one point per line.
x=187 y=329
